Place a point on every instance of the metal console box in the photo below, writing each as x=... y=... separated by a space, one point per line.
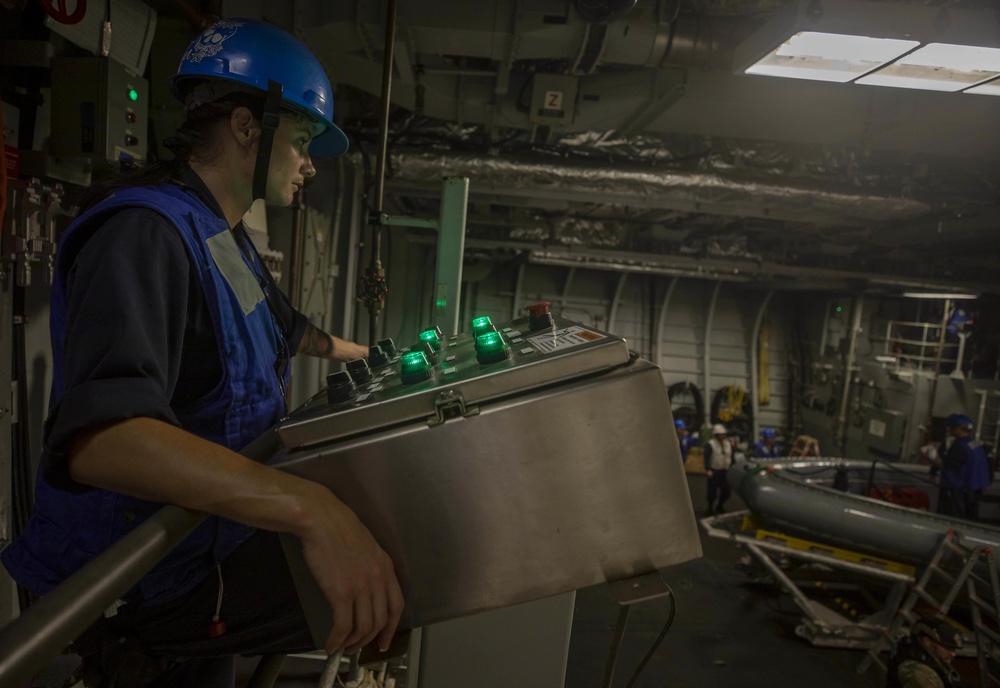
x=493 y=485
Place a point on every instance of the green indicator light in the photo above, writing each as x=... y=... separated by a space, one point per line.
x=839 y=309
x=133 y=95
x=415 y=360
x=414 y=367
x=489 y=342
x=491 y=348
x=441 y=303
x=480 y=325
x=431 y=337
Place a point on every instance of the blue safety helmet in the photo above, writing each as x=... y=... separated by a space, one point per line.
x=960 y=420
x=680 y=424
x=768 y=432
x=249 y=53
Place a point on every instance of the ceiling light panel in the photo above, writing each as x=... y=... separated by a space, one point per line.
x=990 y=89
x=829 y=56
x=939 y=67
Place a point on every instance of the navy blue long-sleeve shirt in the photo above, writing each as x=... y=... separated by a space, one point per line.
x=139 y=336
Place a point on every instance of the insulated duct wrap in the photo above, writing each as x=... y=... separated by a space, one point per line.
x=644 y=186
x=570 y=231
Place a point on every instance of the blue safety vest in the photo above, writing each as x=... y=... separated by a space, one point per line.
x=975 y=472
x=66 y=529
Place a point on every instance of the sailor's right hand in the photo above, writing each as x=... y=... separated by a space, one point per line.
x=354 y=573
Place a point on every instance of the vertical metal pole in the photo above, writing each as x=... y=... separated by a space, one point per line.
x=940 y=352
x=616 y=643
x=708 y=343
x=996 y=425
x=613 y=313
x=375 y=264
x=840 y=432
x=450 y=250
x=332 y=248
x=267 y=672
x=826 y=327
x=923 y=346
x=7 y=588
x=662 y=319
x=754 y=362
x=518 y=285
x=298 y=238
x=982 y=394
x=569 y=281
x=353 y=260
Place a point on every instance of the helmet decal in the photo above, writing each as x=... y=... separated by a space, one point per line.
x=249 y=54
x=210 y=42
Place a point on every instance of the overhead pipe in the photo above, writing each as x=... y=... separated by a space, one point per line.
x=652 y=187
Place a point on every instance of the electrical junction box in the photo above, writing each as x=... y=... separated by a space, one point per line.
x=553 y=99
x=99 y=110
x=884 y=430
x=495 y=476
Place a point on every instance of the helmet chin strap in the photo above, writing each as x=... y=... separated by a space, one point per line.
x=269 y=124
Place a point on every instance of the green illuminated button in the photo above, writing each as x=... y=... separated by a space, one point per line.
x=481 y=325
x=431 y=337
x=490 y=348
x=427 y=350
x=414 y=367
x=133 y=95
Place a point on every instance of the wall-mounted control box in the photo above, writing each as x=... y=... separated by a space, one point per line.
x=99 y=110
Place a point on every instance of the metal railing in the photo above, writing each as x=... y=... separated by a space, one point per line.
x=52 y=623
x=927 y=345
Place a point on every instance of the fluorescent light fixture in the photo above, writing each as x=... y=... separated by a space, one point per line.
x=829 y=56
x=938 y=295
x=939 y=67
x=990 y=89
x=899 y=43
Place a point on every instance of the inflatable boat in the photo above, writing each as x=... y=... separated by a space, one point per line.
x=881 y=508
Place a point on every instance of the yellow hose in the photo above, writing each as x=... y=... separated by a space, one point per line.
x=764 y=364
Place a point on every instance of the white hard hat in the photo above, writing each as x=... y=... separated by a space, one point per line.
x=719 y=429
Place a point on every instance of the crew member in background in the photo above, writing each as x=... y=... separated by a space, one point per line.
x=768 y=447
x=965 y=471
x=684 y=438
x=923 y=659
x=171 y=345
x=718 y=459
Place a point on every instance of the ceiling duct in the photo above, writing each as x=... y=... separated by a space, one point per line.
x=642 y=186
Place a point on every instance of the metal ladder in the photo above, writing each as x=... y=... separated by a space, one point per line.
x=983 y=595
